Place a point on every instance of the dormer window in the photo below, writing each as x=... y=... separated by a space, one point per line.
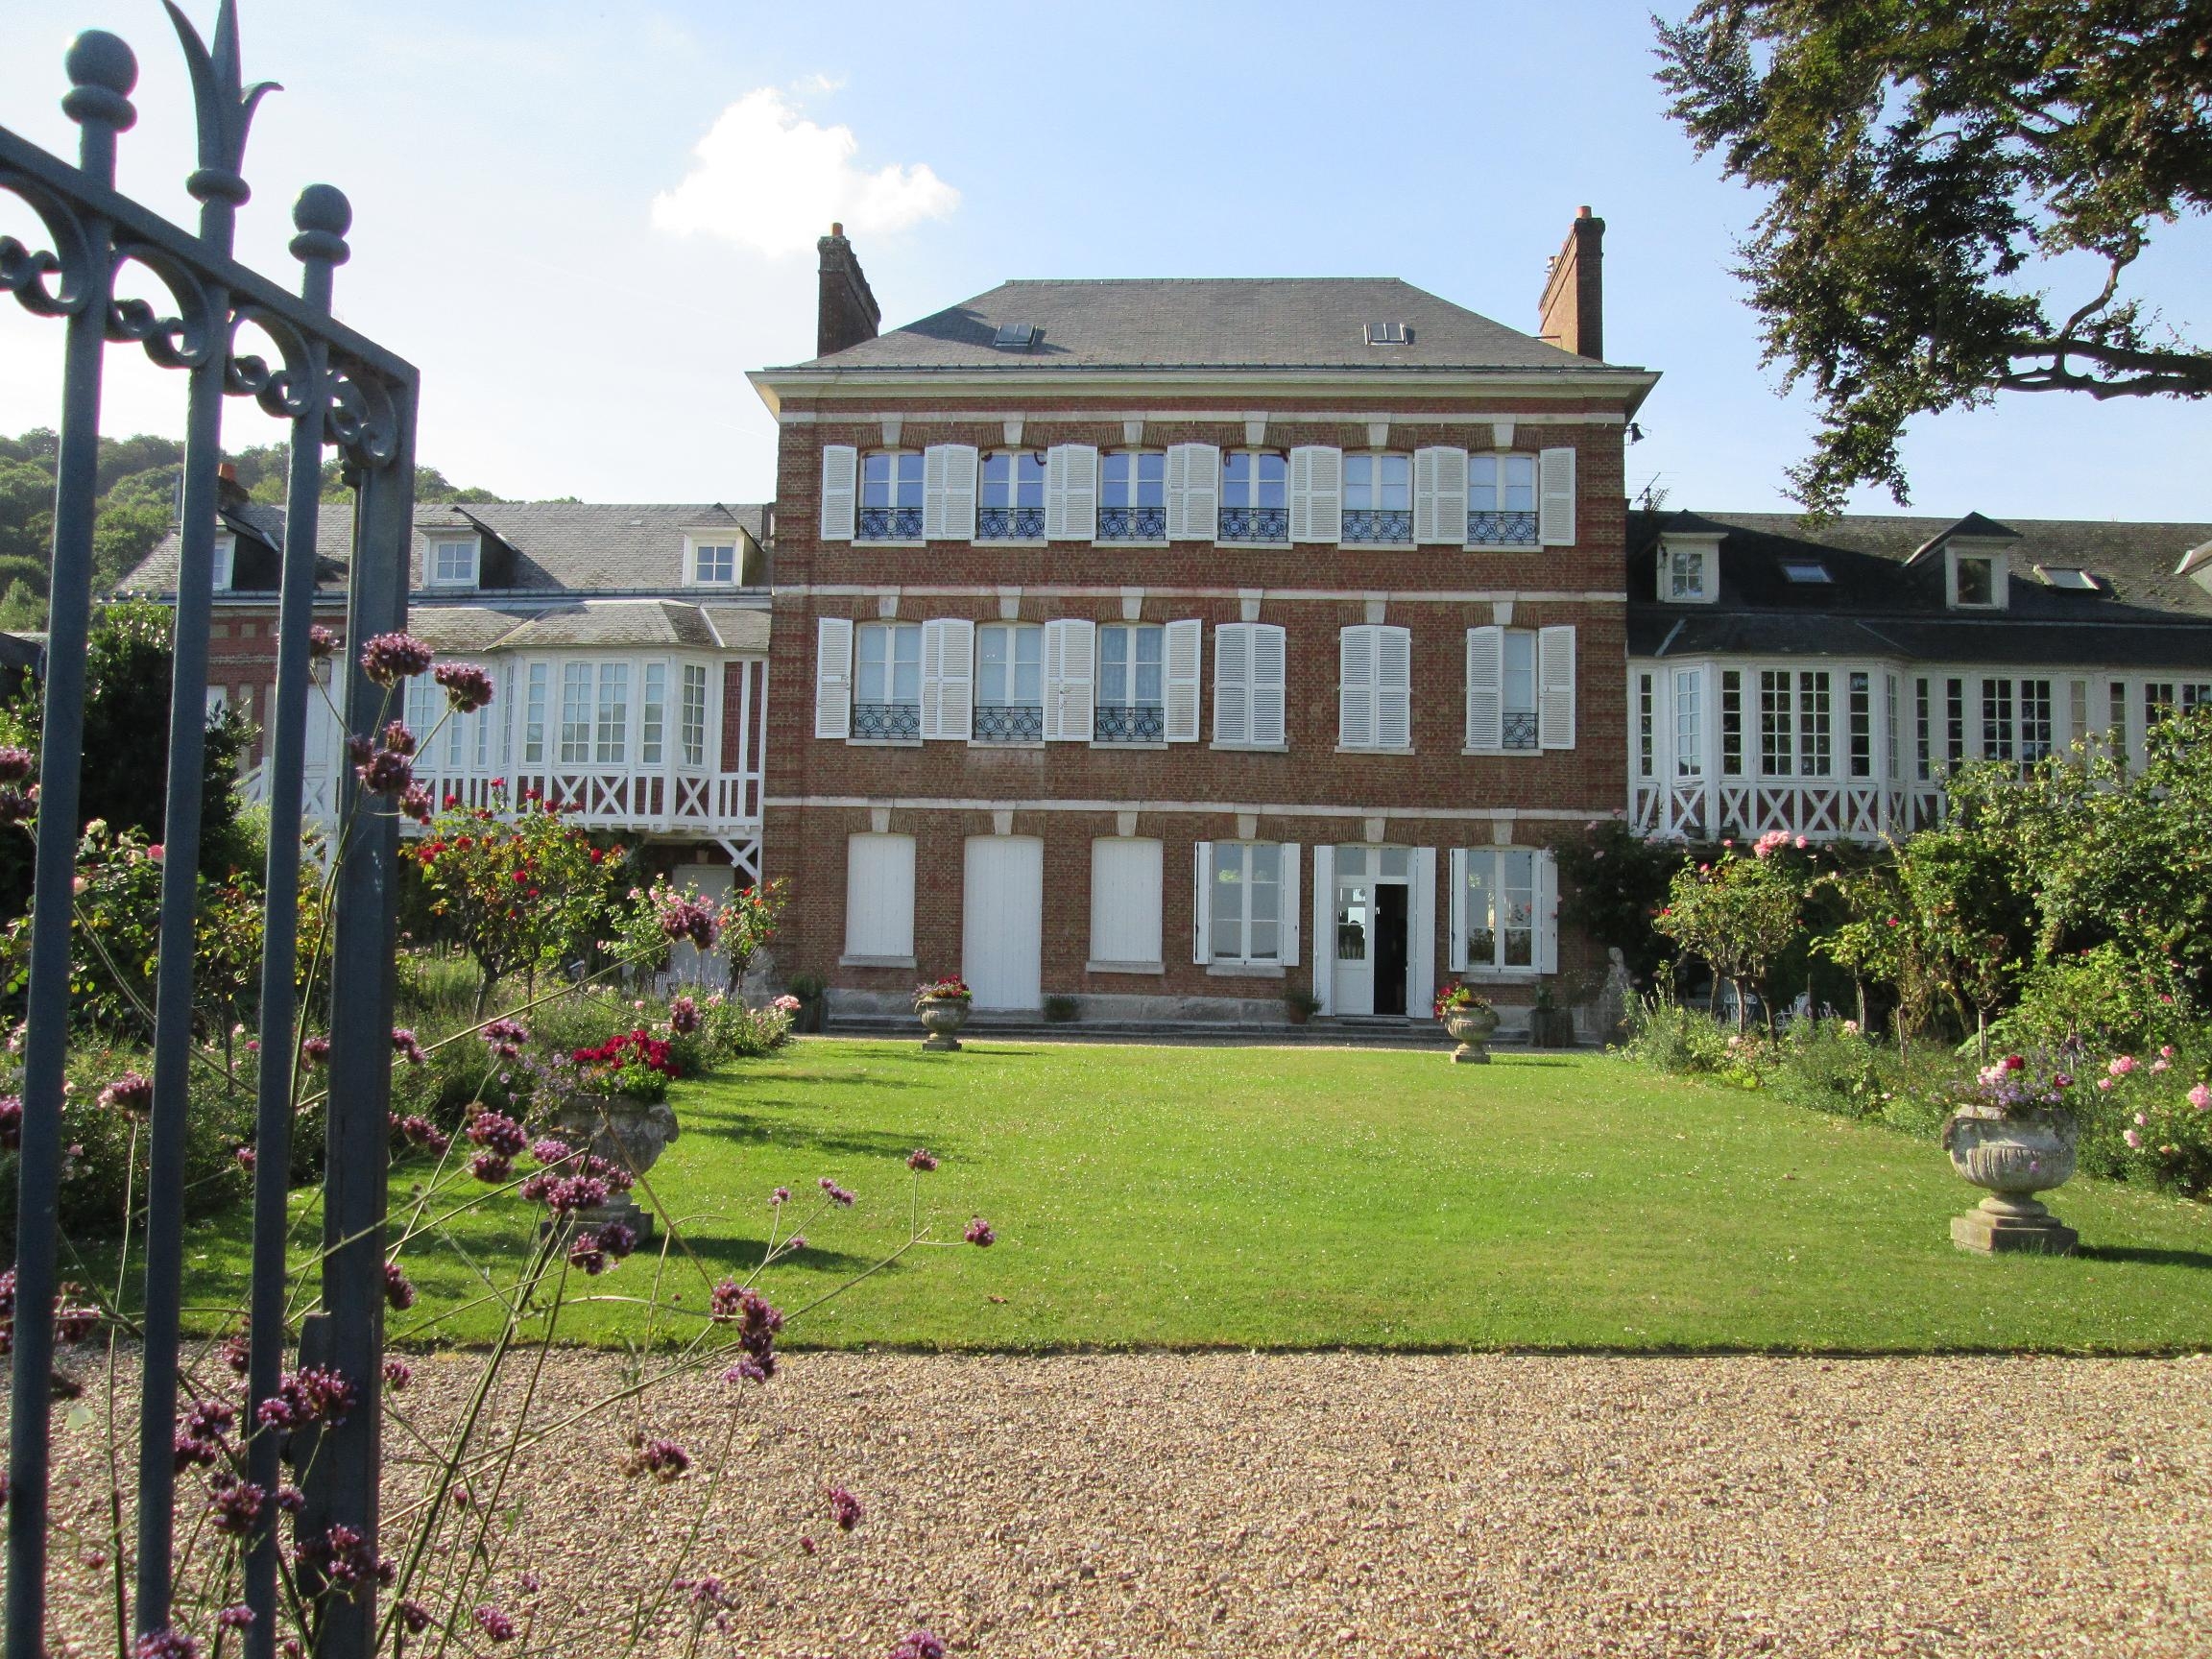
x=1689 y=571
x=1976 y=580
x=453 y=562
x=714 y=563
x=226 y=561
x=1805 y=572
x=1389 y=334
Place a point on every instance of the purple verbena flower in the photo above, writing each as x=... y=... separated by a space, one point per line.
x=844 y=1508
x=397 y=1374
x=467 y=686
x=404 y=1045
x=682 y=1016
x=235 y=1506
x=918 y=1645
x=585 y=1256
x=663 y=1460
x=386 y=773
x=979 y=1234
x=505 y=1038
x=836 y=1193
x=15 y=763
x=497 y=1132
x=132 y=1093
x=494 y=1624
x=398 y=1290
x=390 y=658
x=322 y=643
x=317 y=1050
x=11 y=1121
x=921 y=1161
x=165 y=1643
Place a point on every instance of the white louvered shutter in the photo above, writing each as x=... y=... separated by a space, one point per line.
x=1233 y=682
x=1180 y=652
x=840 y=490
x=1555 y=688
x=1456 y=912
x=1393 y=687
x=948 y=678
x=1201 y=902
x=933 y=520
x=1194 y=492
x=1286 y=907
x=832 y=676
x=958 y=510
x=1324 y=926
x=1556 y=498
x=1486 y=689
x=1071 y=651
x=1421 y=934
x=1317 y=494
x=1440 y=497
x=1547 y=913
x=1270 y=682
x=1356 y=689
x=1070 y=492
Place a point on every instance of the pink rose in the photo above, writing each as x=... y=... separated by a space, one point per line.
x=2200 y=1098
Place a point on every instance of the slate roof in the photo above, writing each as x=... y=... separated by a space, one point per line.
x=559 y=546
x=1886 y=596
x=617 y=624
x=1206 y=322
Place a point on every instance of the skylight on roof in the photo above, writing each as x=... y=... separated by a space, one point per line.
x=1014 y=336
x=1389 y=334
x=1805 y=570
x=2068 y=577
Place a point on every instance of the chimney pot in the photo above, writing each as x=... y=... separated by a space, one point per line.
x=227 y=472
x=837 y=229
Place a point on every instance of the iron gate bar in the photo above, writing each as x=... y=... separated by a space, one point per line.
x=102 y=72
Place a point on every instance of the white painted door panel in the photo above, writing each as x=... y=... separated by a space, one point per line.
x=1003 y=932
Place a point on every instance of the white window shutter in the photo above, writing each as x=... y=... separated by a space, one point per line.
x=1270 y=690
x=1547 y=913
x=1071 y=651
x=1233 y=682
x=1486 y=689
x=1316 y=494
x=960 y=463
x=1393 y=687
x=1555 y=688
x=1556 y=498
x=1440 y=497
x=1456 y=912
x=1324 y=926
x=933 y=520
x=832 y=676
x=840 y=490
x=1070 y=492
x=1356 y=687
x=1286 y=907
x=1421 y=934
x=1201 y=902
x=1180 y=652
x=1194 y=492
x=948 y=678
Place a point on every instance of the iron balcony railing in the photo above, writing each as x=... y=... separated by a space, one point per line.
x=1010 y=524
x=1501 y=529
x=1129 y=722
x=1009 y=723
x=1390 y=525
x=1521 y=731
x=889 y=721
x=890 y=524
x=1255 y=525
x=1132 y=524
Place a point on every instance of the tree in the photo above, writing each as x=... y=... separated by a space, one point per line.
x=1920 y=160
x=1738 y=914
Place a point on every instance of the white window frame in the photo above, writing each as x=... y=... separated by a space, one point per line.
x=1129 y=699
x=1009 y=672
x=1132 y=488
x=224 y=566
x=1014 y=455
x=692 y=716
x=1704 y=556
x=2000 y=578
x=435 y=574
x=1495 y=460
x=1373 y=460
x=1253 y=488
x=891 y=631
x=1243 y=855
x=697 y=546
x=1687 y=695
x=1543 y=928
x=896 y=458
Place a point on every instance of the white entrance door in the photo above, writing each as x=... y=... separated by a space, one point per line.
x=685 y=962
x=1354 y=973
x=1003 y=937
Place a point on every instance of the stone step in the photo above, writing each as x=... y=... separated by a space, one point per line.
x=1320 y=1031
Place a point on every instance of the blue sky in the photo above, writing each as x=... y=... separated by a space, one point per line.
x=505 y=162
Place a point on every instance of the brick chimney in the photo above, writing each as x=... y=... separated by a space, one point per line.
x=848 y=314
x=229 y=493
x=1572 y=314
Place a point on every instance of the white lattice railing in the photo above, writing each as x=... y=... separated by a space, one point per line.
x=1817 y=810
x=617 y=798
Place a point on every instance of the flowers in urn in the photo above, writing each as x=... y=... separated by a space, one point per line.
x=1470 y=1019
x=635 y=1064
x=2017 y=1137
x=952 y=989
x=2014 y=1087
x=1458 y=997
x=942 y=1005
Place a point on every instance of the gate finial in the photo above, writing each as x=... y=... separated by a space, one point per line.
x=224 y=102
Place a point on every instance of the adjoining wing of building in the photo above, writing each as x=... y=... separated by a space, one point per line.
x=1185 y=646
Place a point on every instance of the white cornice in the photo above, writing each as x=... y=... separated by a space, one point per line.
x=1032 y=417
x=1265 y=809
x=1339 y=595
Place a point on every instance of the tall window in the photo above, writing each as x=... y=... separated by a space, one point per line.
x=1013 y=507
x=1861 y=714
x=226 y=562
x=1255 y=498
x=533 y=714
x=1131 y=707
x=2035 y=734
x=653 y=716
x=1245 y=922
x=1776 y=756
x=575 y=714
x=1646 y=737
x=1889 y=718
x=1500 y=907
x=1954 y=722
x=887 y=680
x=1519 y=688
x=1009 y=683
x=612 y=745
x=1378 y=498
x=714 y=563
x=1689 y=723
x=1996 y=719
x=1132 y=495
x=1814 y=740
x=693 y=728
x=454 y=563
x=1731 y=722
x=1501 y=502
x=891 y=496
x=1923 y=733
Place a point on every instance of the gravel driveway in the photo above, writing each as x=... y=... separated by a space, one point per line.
x=1137 y=1505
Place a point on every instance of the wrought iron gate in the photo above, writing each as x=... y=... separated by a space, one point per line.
x=334 y=388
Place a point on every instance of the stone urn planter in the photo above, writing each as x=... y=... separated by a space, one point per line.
x=941 y=1017
x=1472 y=1028
x=623 y=1130
x=2013 y=1156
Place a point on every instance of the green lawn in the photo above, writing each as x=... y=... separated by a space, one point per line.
x=1307 y=1197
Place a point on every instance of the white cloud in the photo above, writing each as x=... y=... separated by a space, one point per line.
x=767 y=178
